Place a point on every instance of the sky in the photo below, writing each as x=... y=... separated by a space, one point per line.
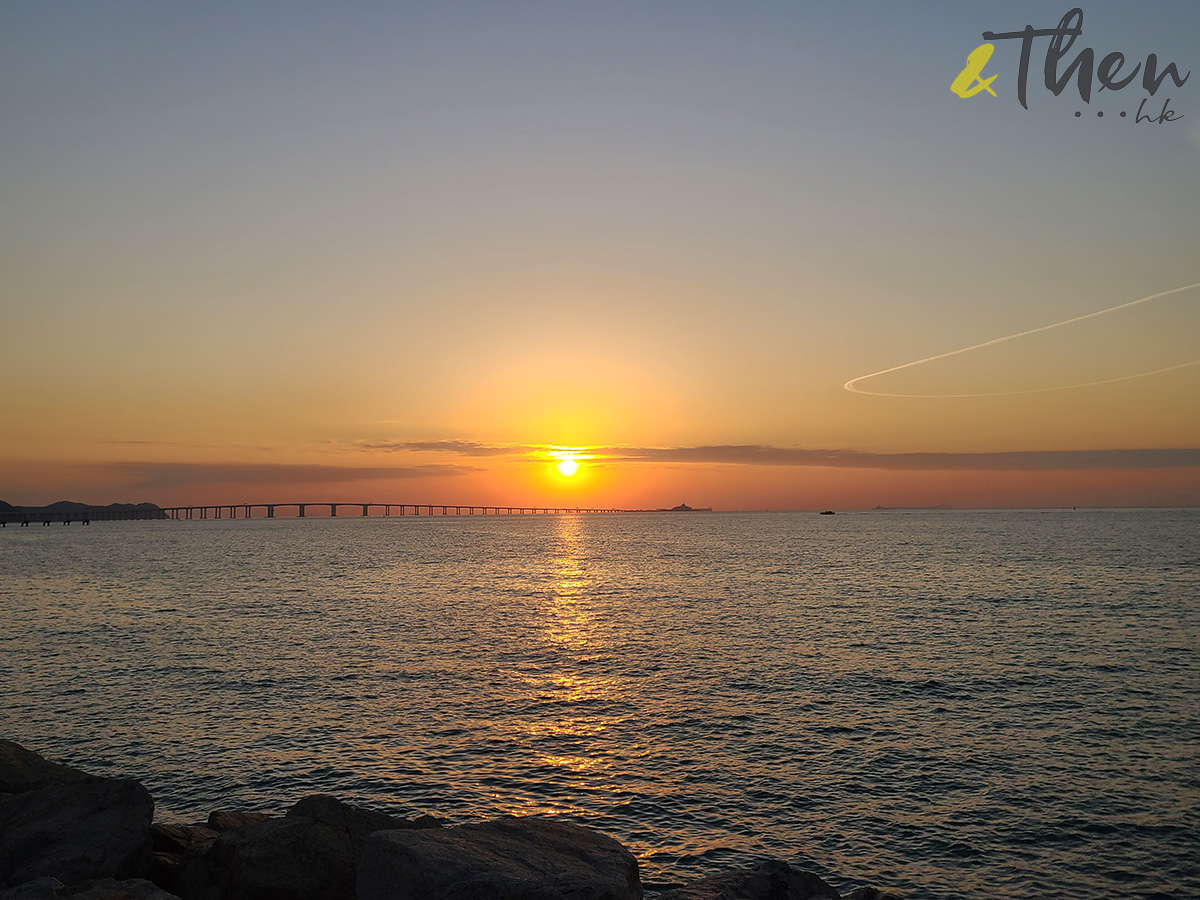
x=420 y=253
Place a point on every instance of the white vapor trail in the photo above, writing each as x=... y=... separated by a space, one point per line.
x=850 y=385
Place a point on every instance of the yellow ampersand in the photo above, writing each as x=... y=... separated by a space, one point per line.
x=968 y=83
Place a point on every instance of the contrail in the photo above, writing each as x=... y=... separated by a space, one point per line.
x=850 y=385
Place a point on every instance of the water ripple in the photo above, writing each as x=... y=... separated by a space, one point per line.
x=953 y=704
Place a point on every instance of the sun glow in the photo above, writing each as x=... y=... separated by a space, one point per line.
x=567 y=467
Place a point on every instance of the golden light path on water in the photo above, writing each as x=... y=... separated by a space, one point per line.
x=575 y=718
x=851 y=385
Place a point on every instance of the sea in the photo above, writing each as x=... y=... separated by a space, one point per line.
x=943 y=703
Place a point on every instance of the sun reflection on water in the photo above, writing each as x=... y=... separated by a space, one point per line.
x=573 y=713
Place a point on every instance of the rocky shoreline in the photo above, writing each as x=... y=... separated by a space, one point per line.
x=64 y=833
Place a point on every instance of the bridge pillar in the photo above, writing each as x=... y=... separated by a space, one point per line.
x=302 y=512
x=365 y=505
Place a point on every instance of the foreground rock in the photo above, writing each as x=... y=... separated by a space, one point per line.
x=102 y=889
x=506 y=859
x=23 y=770
x=177 y=838
x=170 y=843
x=66 y=834
x=76 y=831
x=769 y=880
x=310 y=854
x=357 y=823
x=222 y=820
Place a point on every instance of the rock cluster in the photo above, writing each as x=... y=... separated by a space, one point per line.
x=64 y=833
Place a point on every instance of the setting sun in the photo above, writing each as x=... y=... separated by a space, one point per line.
x=567 y=467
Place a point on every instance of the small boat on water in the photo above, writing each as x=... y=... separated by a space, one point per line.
x=828 y=512
x=683 y=507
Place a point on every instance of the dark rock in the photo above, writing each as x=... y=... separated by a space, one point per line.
x=282 y=859
x=222 y=820
x=769 y=880
x=44 y=888
x=164 y=870
x=97 y=889
x=23 y=770
x=310 y=853
x=108 y=889
x=171 y=842
x=192 y=857
x=357 y=822
x=870 y=893
x=177 y=838
x=506 y=859
x=96 y=828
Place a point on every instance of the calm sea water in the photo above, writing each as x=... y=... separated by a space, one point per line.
x=953 y=704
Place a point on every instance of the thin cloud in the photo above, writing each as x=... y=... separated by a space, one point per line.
x=462 y=448
x=1024 y=460
x=170 y=475
x=188 y=444
x=773 y=455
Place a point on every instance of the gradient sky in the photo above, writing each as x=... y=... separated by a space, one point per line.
x=408 y=252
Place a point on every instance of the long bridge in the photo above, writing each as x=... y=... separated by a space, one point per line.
x=267 y=510
x=68 y=513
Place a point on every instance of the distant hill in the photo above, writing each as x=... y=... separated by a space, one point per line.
x=63 y=506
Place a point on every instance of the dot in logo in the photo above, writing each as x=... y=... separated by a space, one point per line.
x=1078 y=114
x=1122 y=114
x=1100 y=114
